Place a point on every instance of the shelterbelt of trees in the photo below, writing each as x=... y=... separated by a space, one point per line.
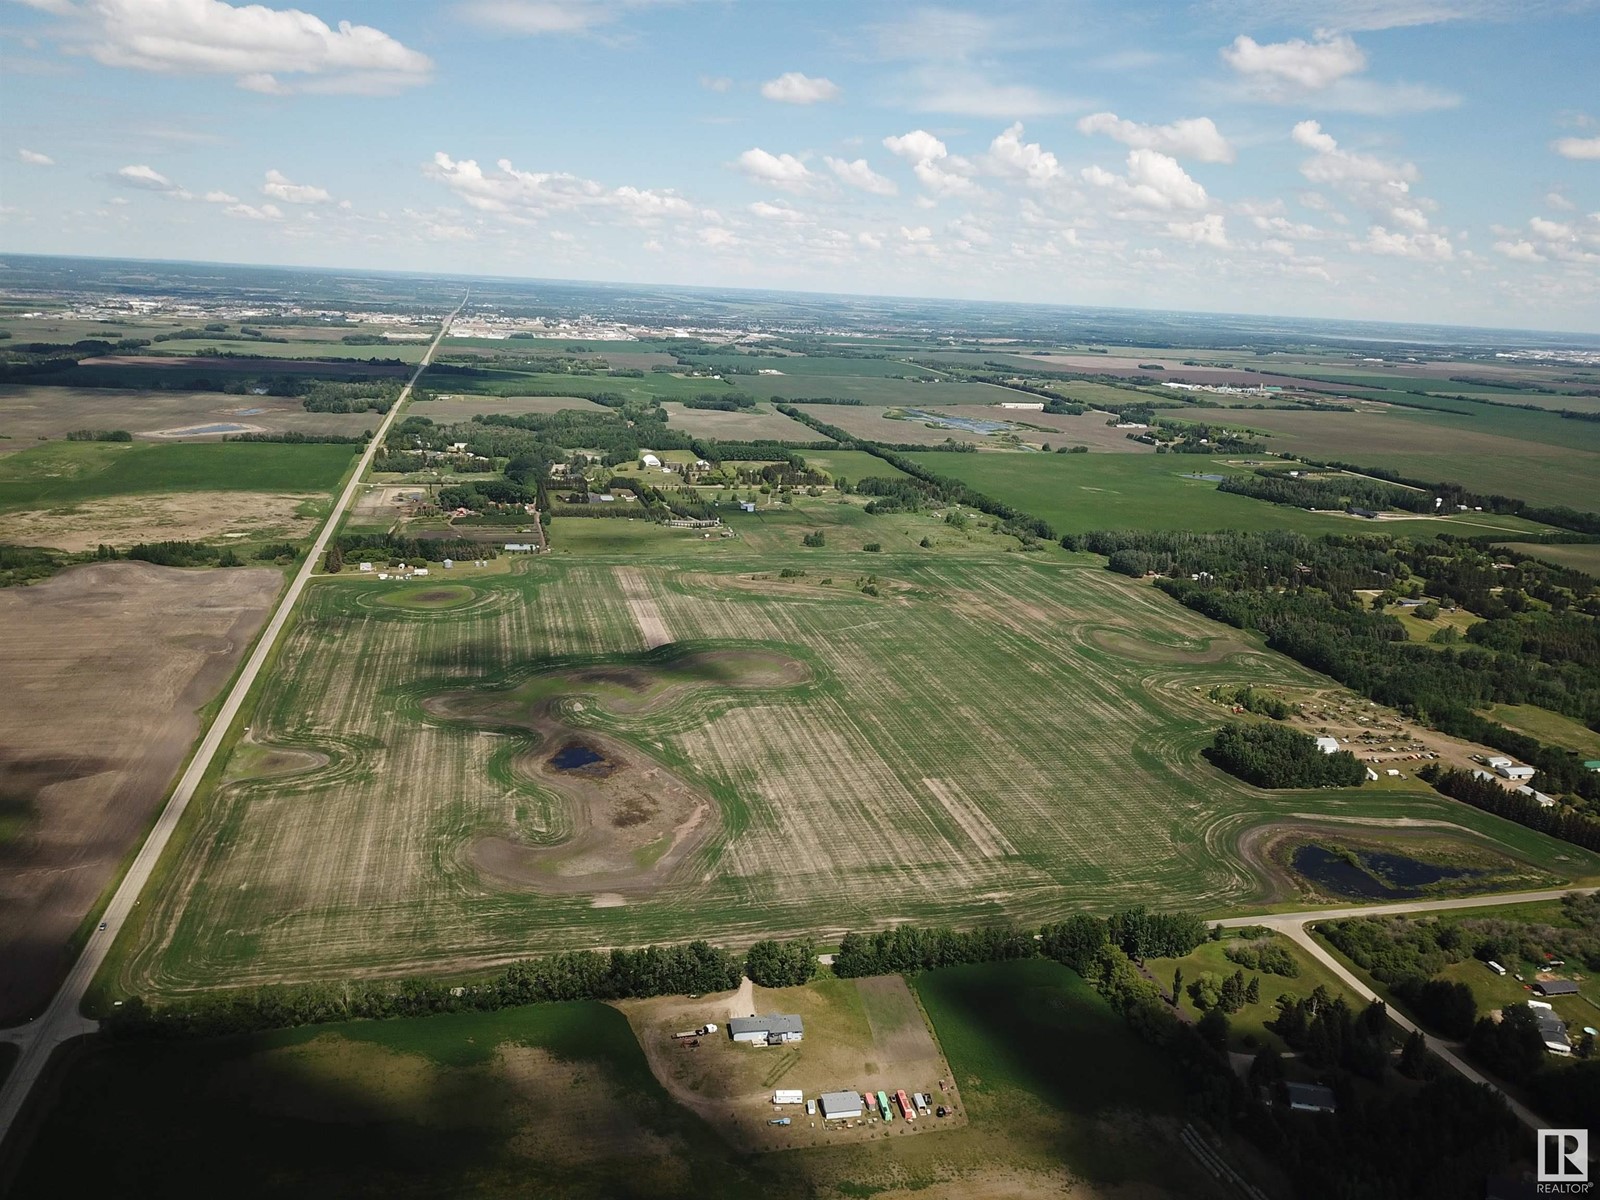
x=1276 y=756
x=1538 y=642
x=1435 y=1142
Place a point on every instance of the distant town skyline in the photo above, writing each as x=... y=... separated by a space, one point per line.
x=1427 y=162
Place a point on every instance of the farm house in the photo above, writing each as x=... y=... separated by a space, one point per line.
x=772 y=1030
x=840 y=1106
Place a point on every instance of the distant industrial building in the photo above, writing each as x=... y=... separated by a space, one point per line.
x=840 y=1106
x=774 y=1029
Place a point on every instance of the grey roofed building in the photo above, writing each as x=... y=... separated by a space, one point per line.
x=772 y=1029
x=1556 y=987
x=1311 y=1097
x=839 y=1105
x=1553 y=1030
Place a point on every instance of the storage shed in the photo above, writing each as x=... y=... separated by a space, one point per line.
x=840 y=1106
x=1556 y=987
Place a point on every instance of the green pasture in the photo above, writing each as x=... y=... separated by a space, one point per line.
x=1534 y=456
x=1037 y=1054
x=1080 y=492
x=1583 y=557
x=1551 y=728
x=63 y=472
x=551 y=1100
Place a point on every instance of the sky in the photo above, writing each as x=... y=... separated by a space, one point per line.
x=1418 y=160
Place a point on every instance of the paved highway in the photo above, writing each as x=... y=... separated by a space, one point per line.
x=1293 y=925
x=62 y=1021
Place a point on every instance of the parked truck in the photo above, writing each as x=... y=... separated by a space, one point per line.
x=694 y=1033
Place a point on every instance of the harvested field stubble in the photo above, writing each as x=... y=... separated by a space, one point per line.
x=105 y=667
x=971 y=746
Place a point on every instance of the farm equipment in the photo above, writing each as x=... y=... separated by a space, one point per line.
x=694 y=1033
x=779 y=1121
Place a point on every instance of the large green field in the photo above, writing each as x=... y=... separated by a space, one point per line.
x=548 y=1100
x=1080 y=492
x=1001 y=735
x=1537 y=457
x=63 y=472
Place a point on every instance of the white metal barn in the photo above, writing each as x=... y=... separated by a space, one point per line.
x=840 y=1106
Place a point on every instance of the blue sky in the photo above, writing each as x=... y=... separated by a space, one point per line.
x=1411 y=159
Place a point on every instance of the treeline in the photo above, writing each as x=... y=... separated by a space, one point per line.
x=731 y=401
x=951 y=491
x=572 y=975
x=404 y=549
x=99 y=435
x=1346 y=491
x=24 y=564
x=1278 y=756
x=1578 y=828
x=351 y=397
x=179 y=554
x=844 y=400
x=482 y=495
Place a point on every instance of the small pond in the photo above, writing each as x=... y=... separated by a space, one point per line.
x=574 y=756
x=1380 y=875
x=969 y=424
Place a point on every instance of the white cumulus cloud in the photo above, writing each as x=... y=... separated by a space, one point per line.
x=859 y=174
x=1209 y=230
x=941 y=172
x=1575 y=147
x=253 y=43
x=1312 y=65
x=35 y=159
x=522 y=196
x=279 y=187
x=792 y=87
x=139 y=175
x=780 y=170
x=1009 y=155
x=1154 y=180
x=1324 y=72
x=1192 y=137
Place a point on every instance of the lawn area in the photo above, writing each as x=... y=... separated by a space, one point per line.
x=854 y=465
x=547 y=1100
x=1551 y=728
x=62 y=472
x=1580 y=557
x=1039 y=1056
x=1247 y=1028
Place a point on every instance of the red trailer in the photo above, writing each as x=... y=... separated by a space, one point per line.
x=907 y=1109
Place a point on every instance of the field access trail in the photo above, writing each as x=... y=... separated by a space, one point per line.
x=62 y=1021
x=1295 y=925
